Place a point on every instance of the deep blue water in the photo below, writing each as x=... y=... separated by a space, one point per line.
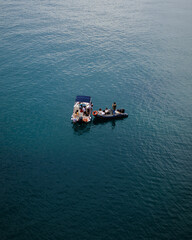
x=125 y=179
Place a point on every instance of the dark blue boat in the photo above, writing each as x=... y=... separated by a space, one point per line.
x=110 y=114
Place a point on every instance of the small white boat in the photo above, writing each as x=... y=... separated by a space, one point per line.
x=82 y=109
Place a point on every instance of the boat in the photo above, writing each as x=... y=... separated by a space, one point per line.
x=82 y=110
x=110 y=114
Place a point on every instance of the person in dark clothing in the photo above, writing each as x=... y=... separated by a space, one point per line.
x=114 y=105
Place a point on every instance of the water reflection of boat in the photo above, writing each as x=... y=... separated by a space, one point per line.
x=81 y=128
x=82 y=109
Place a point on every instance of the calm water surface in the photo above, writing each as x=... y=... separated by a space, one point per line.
x=125 y=179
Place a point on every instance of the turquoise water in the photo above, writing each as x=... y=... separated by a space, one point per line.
x=125 y=179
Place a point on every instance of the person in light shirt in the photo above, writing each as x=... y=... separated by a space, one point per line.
x=106 y=110
x=84 y=109
x=100 y=112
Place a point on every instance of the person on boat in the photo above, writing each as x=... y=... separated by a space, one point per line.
x=107 y=111
x=77 y=113
x=88 y=109
x=81 y=108
x=114 y=105
x=100 y=112
x=84 y=109
x=87 y=112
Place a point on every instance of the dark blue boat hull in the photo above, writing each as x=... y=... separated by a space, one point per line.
x=110 y=117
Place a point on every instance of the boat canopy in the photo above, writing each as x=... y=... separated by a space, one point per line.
x=83 y=99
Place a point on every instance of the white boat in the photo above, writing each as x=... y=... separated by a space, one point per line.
x=82 y=109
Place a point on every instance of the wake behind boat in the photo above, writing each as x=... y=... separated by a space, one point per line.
x=82 y=109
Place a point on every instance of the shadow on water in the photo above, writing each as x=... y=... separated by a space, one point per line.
x=81 y=128
x=107 y=121
x=104 y=122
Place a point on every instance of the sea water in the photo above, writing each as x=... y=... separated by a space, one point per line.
x=123 y=179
